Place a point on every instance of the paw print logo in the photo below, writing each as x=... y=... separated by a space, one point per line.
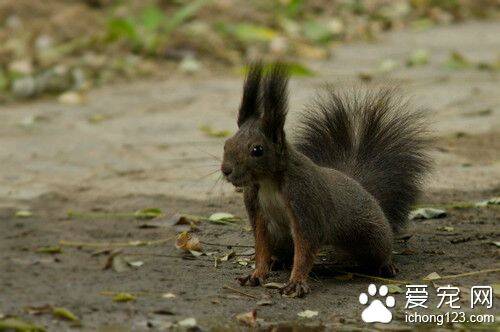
x=377 y=311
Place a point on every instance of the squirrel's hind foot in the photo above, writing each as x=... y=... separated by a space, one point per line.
x=295 y=289
x=388 y=270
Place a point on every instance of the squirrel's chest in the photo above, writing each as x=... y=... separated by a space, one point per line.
x=273 y=209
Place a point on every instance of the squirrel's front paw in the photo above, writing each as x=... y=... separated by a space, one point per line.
x=254 y=279
x=295 y=289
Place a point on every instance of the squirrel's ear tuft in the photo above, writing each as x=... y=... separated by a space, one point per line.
x=275 y=100
x=250 y=103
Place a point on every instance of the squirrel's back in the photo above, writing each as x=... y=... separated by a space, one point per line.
x=374 y=137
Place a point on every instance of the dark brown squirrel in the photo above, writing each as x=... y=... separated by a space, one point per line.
x=348 y=179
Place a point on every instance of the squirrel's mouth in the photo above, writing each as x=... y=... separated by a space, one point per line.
x=237 y=181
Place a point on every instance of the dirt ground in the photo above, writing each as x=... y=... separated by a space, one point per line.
x=139 y=145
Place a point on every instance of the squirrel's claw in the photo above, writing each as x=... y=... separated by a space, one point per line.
x=251 y=280
x=295 y=289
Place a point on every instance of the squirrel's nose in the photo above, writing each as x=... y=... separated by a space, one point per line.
x=226 y=170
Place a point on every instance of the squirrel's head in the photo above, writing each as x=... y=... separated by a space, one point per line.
x=258 y=149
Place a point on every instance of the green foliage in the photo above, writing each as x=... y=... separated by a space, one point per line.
x=122 y=28
x=457 y=61
x=292 y=8
x=317 y=32
x=247 y=33
x=150 y=29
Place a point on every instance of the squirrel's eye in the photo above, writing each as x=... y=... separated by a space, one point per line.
x=257 y=151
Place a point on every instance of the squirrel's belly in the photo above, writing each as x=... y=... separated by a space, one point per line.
x=274 y=211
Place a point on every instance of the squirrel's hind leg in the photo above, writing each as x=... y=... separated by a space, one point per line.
x=374 y=249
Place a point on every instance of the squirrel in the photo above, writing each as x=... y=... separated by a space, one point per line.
x=347 y=179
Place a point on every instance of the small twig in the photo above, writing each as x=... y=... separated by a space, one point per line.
x=386 y=280
x=151 y=254
x=115 y=244
x=227 y=245
x=240 y=292
x=389 y=281
x=466 y=274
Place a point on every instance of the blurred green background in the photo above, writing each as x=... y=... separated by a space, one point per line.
x=57 y=46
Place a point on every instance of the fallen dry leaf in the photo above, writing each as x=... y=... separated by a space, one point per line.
x=431 y=276
x=264 y=302
x=274 y=285
x=71 y=98
x=308 y=314
x=228 y=256
x=135 y=264
x=447 y=229
x=168 y=296
x=188 y=323
x=248 y=318
x=427 y=213
x=185 y=241
x=116 y=262
x=39 y=310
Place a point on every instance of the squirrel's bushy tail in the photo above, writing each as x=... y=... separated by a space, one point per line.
x=375 y=138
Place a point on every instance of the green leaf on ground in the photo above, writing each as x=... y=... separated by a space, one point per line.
x=457 y=61
x=148 y=213
x=64 y=313
x=394 y=289
x=49 y=250
x=208 y=130
x=15 y=324
x=23 y=214
x=418 y=58
x=124 y=297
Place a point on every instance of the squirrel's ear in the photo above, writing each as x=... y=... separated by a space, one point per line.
x=250 y=103
x=275 y=100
